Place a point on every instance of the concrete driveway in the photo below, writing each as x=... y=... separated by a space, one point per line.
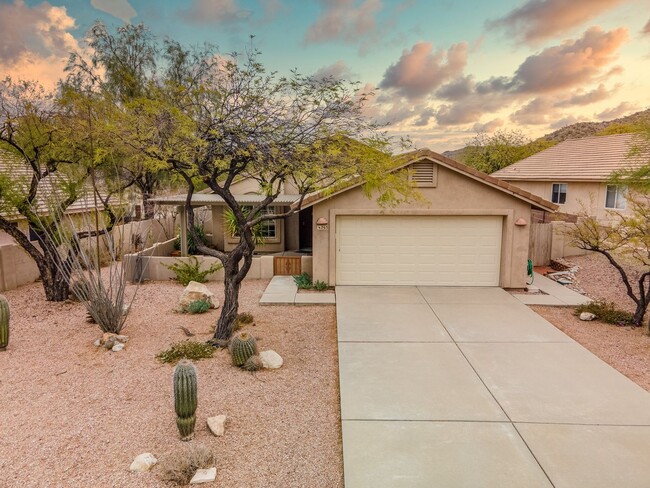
x=467 y=387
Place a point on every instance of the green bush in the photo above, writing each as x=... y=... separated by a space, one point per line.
x=607 y=312
x=303 y=281
x=198 y=306
x=191 y=270
x=191 y=244
x=186 y=350
x=320 y=285
x=245 y=318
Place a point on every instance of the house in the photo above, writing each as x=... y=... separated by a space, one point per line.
x=574 y=174
x=470 y=229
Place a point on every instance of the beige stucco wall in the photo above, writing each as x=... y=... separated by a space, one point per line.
x=581 y=196
x=455 y=194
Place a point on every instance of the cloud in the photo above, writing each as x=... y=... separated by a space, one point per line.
x=490 y=126
x=214 y=11
x=581 y=98
x=646 y=29
x=35 y=42
x=344 y=20
x=120 y=9
x=616 y=112
x=336 y=71
x=572 y=63
x=538 y=20
x=420 y=71
x=564 y=121
x=535 y=112
x=457 y=89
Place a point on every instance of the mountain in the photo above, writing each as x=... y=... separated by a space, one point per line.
x=581 y=129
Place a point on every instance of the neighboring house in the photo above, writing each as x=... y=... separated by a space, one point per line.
x=471 y=230
x=574 y=174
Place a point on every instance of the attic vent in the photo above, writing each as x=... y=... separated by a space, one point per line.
x=424 y=173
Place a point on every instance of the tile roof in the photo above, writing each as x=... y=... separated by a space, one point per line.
x=407 y=159
x=211 y=198
x=586 y=159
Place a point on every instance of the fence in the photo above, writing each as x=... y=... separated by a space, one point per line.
x=549 y=241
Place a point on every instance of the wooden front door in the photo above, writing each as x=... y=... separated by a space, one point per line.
x=286 y=266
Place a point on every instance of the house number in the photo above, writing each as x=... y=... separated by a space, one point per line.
x=321 y=226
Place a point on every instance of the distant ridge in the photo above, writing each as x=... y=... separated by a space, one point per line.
x=577 y=130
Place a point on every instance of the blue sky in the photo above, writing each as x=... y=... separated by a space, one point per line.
x=441 y=70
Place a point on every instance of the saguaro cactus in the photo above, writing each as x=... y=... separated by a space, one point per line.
x=4 y=323
x=185 y=398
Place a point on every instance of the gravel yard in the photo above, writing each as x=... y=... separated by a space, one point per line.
x=74 y=415
x=625 y=348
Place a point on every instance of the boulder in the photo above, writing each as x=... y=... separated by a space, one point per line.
x=196 y=291
x=271 y=359
x=217 y=424
x=587 y=316
x=143 y=462
x=204 y=476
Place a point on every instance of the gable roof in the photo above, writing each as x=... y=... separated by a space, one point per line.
x=409 y=158
x=586 y=159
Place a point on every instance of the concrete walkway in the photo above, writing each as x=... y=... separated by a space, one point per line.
x=556 y=294
x=469 y=388
x=282 y=290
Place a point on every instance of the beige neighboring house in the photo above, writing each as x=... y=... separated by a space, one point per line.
x=471 y=229
x=574 y=174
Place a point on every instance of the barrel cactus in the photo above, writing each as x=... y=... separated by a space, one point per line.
x=4 y=323
x=185 y=398
x=242 y=347
x=253 y=363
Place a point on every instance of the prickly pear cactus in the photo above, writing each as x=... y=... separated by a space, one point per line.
x=185 y=398
x=4 y=323
x=242 y=347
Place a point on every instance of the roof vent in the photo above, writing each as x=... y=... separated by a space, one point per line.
x=424 y=173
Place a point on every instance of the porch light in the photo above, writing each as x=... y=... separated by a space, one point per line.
x=521 y=221
x=322 y=221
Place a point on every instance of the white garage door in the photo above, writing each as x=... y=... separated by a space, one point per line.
x=418 y=250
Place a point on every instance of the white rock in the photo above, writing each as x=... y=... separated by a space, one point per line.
x=98 y=343
x=117 y=347
x=587 y=316
x=204 y=476
x=532 y=289
x=271 y=359
x=217 y=425
x=196 y=291
x=143 y=462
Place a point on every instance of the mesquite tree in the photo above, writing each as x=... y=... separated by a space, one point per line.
x=217 y=119
x=624 y=241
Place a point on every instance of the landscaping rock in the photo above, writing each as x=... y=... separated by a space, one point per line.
x=217 y=425
x=204 y=476
x=196 y=291
x=117 y=347
x=112 y=339
x=587 y=316
x=532 y=289
x=98 y=343
x=143 y=463
x=271 y=359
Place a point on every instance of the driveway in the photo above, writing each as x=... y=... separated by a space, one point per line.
x=468 y=387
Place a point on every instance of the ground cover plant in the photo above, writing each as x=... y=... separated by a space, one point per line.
x=607 y=312
x=186 y=350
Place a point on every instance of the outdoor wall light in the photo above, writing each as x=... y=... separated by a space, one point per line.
x=521 y=221
x=322 y=221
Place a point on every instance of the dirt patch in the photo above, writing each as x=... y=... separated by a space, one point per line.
x=74 y=415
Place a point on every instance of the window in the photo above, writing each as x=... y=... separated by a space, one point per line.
x=559 y=193
x=268 y=228
x=615 y=197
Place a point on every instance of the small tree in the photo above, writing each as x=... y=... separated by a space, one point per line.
x=624 y=241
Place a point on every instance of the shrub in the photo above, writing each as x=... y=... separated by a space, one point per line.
x=180 y=467
x=320 y=285
x=191 y=245
x=186 y=350
x=190 y=270
x=245 y=318
x=198 y=306
x=303 y=281
x=607 y=312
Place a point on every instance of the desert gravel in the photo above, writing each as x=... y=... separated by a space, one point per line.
x=73 y=415
x=627 y=349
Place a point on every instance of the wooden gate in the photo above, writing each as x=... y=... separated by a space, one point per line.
x=287 y=265
x=539 y=247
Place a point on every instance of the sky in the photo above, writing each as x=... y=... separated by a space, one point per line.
x=440 y=70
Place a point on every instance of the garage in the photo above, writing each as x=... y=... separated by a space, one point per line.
x=418 y=250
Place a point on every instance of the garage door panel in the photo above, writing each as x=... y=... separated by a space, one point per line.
x=418 y=250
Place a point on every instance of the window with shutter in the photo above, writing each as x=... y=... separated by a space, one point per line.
x=424 y=173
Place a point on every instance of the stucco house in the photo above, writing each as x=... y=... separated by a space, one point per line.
x=471 y=229
x=574 y=174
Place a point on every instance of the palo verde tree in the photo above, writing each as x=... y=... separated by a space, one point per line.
x=625 y=242
x=217 y=119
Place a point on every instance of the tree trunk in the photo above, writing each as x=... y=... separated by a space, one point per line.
x=230 y=306
x=55 y=284
x=639 y=313
x=148 y=206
